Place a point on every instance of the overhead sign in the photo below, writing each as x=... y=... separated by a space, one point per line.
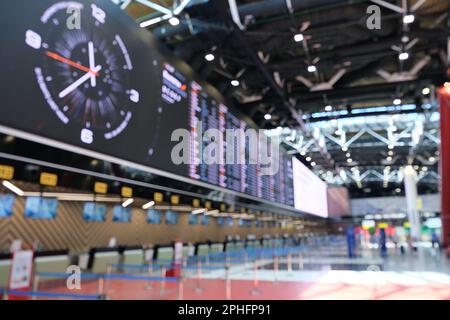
x=101 y=187
x=175 y=199
x=158 y=197
x=196 y=203
x=127 y=192
x=48 y=179
x=6 y=172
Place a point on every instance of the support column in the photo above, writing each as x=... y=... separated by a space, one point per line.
x=410 y=178
x=444 y=101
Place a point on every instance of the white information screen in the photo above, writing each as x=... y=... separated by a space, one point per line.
x=310 y=192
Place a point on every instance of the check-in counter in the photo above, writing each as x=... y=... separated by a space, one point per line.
x=203 y=249
x=5 y=269
x=100 y=259
x=164 y=253
x=133 y=256
x=51 y=262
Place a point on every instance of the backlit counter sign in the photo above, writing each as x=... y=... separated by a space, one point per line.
x=21 y=270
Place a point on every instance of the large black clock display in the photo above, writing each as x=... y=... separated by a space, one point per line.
x=84 y=73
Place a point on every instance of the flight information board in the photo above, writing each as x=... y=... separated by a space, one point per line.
x=105 y=88
x=233 y=165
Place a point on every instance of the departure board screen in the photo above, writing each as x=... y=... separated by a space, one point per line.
x=235 y=167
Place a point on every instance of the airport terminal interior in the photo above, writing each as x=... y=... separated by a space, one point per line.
x=225 y=150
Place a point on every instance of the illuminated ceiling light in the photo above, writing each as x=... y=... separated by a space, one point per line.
x=174 y=21
x=148 y=205
x=328 y=108
x=209 y=57
x=312 y=68
x=313 y=164
x=349 y=160
x=344 y=148
x=403 y=56
x=397 y=101
x=13 y=188
x=432 y=159
x=211 y=212
x=308 y=159
x=398 y=190
x=198 y=211
x=267 y=116
x=298 y=37
x=391 y=146
x=426 y=91
x=409 y=18
x=127 y=202
x=235 y=83
x=389 y=159
x=348 y=155
x=390 y=153
x=303 y=153
x=424 y=169
x=416 y=167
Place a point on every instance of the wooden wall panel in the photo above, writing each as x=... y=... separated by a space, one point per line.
x=70 y=231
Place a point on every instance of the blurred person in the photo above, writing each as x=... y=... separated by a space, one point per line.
x=435 y=240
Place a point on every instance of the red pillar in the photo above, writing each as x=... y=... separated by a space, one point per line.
x=444 y=99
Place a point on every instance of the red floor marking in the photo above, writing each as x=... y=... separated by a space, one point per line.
x=242 y=290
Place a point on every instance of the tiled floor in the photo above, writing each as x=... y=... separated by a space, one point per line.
x=319 y=275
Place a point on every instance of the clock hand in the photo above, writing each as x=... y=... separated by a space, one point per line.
x=92 y=63
x=71 y=63
x=78 y=83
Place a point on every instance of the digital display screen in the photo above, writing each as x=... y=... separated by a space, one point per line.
x=206 y=220
x=121 y=214
x=154 y=216
x=106 y=86
x=193 y=219
x=310 y=192
x=41 y=208
x=6 y=205
x=94 y=212
x=171 y=217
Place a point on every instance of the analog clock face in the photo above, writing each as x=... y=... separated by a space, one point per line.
x=84 y=70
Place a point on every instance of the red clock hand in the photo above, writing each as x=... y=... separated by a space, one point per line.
x=70 y=62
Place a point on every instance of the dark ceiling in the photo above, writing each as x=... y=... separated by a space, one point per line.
x=272 y=67
x=356 y=68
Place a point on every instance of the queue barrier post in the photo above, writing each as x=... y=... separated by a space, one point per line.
x=289 y=262
x=100 y=285
x=150 y=273
x=227 y=282
x=300 y=260
x=180 y=286
x=199 y=274
x=255 y=291
x=275 y=269
x=162 y=286
x=35 y=285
